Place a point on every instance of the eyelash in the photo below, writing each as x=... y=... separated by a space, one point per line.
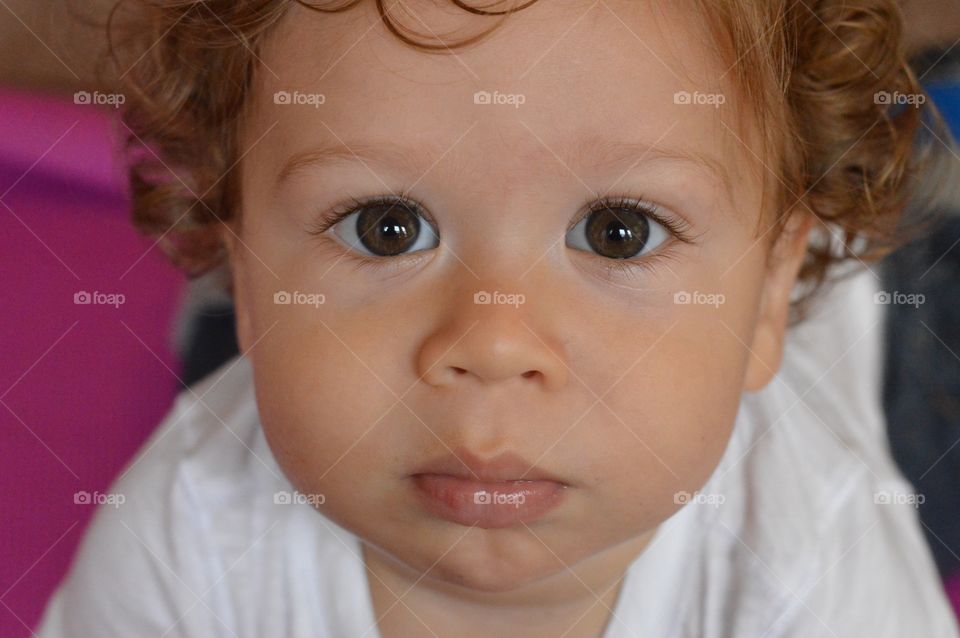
x=342 y=211
x=679 y=228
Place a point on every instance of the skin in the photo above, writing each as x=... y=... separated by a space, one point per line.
x=599 y=377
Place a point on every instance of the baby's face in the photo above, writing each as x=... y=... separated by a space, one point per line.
x=613 y=354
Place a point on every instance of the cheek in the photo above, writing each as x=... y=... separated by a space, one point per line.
x=324 y=412
x=668 y=420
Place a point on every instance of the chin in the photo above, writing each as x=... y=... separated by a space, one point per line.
x=480 y=569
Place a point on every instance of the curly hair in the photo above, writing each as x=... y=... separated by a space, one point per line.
x=816 y=76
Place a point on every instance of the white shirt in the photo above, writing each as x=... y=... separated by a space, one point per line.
x=799 y=545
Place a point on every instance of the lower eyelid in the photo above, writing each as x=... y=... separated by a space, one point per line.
x=653 y=263
x=344 y=253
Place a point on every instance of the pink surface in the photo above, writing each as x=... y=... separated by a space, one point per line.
x=31 y=125
x=81 y=386
x=953 y=591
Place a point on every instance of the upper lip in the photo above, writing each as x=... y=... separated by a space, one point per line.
x=506 y=466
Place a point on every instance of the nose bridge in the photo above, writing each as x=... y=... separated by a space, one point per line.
x=493 y=333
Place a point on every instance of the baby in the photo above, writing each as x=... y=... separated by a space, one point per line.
x=512 y=284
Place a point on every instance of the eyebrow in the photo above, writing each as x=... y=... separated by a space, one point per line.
x=383 y=153
x=586 y=152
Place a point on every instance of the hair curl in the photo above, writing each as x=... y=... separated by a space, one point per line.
x=810 y=71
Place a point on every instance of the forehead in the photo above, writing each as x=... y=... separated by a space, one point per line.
x=569 y=88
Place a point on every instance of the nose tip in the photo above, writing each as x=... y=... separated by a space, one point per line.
x=491 y=350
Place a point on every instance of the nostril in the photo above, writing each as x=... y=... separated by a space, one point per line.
x=459 y=370
x=530 y=373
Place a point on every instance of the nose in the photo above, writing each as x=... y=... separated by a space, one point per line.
x=491 y=344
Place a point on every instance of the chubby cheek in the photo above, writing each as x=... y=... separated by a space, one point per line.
x=666 y=423
x=327 y=403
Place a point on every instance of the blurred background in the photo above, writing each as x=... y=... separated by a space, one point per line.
x=82 y=385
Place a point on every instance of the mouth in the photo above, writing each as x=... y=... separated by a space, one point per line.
x=500 y=492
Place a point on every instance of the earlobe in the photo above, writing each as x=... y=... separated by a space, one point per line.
x=783 y=269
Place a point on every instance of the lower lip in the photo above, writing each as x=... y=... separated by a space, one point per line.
x=487 y=504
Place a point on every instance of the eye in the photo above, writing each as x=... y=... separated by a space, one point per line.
x=383 y=227
x=621 y=229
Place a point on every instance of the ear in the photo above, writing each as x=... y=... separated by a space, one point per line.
x=238 y=292
x=783 y=266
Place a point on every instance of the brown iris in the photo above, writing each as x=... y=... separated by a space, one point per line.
x=387 y=229
x=617 y=233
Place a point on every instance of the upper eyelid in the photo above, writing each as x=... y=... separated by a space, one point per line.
x=403 y=197
x=608 y=199
x=332 y=217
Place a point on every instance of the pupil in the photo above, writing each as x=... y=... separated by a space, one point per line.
x=388 y=229
x=391 y=227
x=617 y=233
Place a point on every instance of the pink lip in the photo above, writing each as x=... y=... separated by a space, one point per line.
x=501 y=492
